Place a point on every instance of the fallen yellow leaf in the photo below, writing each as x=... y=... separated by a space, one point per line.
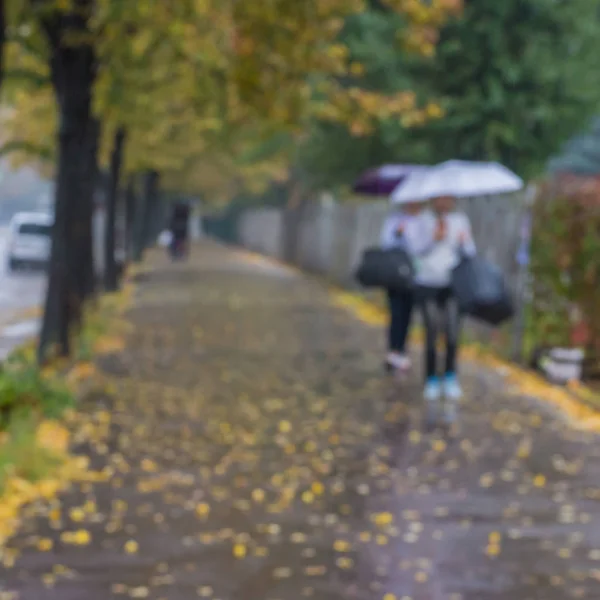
x=51 y=435
x=258 y=495
x=308 y=497
x=203 y=509
x=109 y=344
x=494 y=537
x=81 y=537
x=384 y=518
x=317 y=488
x=45 y=545
x=341 y=546
x=77 y=515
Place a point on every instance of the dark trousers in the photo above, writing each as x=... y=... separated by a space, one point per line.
x=401 y=307
x=440 y=312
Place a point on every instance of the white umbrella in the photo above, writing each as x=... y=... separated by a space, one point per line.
x=458 y=178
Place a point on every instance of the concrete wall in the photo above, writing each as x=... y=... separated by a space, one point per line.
x=261 y=230
x=330 y=238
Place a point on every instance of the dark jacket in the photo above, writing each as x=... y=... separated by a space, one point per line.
x=179 y=221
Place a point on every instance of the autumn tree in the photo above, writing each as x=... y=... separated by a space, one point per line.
x=76 y=36
x=157 y=84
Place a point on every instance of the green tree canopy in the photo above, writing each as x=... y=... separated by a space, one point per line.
x=515 y=78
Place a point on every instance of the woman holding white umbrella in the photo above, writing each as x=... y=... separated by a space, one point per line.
x=438 y=239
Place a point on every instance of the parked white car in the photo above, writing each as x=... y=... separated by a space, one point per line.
x=29 y=240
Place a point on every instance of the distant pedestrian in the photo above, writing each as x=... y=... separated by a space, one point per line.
x=400 y=303
x=165 y=239
x=179 y=229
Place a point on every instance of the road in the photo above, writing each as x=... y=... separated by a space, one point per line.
x=20 y=294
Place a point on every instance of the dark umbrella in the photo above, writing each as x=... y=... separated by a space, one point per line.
x=383 y=180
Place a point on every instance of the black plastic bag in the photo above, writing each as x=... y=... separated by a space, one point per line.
x=391 y=269
x=481 y=291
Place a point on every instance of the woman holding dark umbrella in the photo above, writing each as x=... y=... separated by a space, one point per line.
x=400 y=303
x=381 y=182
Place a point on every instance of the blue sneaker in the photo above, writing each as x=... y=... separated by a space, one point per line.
x=452 y=389
x=433 y=390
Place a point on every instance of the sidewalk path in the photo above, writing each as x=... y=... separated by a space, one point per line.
x=259 y=454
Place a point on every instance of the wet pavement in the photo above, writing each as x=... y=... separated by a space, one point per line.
x=257 y=452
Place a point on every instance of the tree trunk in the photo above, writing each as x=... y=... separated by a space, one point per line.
x=111 y=271
x=137 y=246
x=73 y=73
x=83 y=254
x=152 y=208
x=144 y=211
x=130 y=206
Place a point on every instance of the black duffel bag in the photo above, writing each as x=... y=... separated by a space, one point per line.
x=481 y=291
x=391 y=269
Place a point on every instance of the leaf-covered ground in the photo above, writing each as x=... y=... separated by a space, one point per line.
x=252 y=449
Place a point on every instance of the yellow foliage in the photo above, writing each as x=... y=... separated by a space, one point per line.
x=51 y=435
x=80 y=372
x=29 y=127
x=193 y=81
x=19 y=491
x=35 y=459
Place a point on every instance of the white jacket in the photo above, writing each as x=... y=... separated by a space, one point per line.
x=435 y=260
x=390 y=236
